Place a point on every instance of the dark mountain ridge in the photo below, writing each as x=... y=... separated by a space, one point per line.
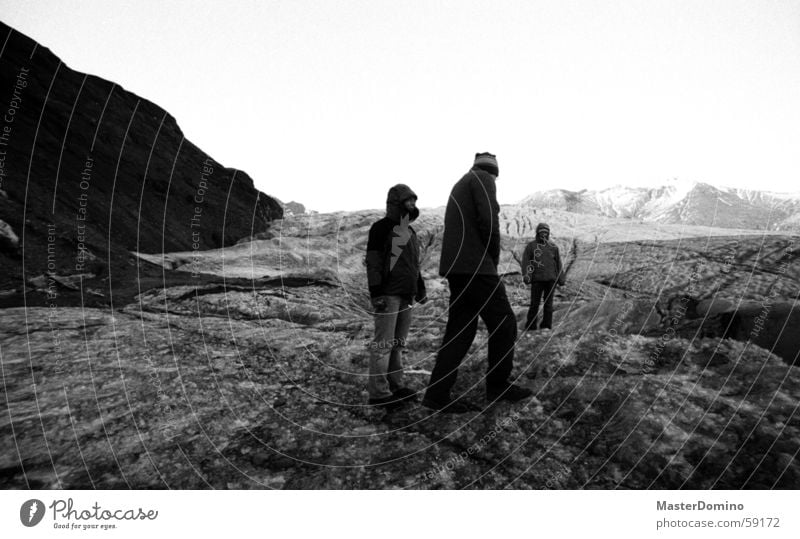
x=91 y=172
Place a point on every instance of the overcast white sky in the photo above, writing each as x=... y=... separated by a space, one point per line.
x=330 y=103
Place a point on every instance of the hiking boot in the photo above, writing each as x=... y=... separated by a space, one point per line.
x=450 y=406
x=510 y=393
x=390 y=403
x=404 y=394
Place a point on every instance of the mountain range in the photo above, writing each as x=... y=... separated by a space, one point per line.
x=685 y=203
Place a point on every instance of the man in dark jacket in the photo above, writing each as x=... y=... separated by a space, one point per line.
x=541 y=268
x=470 y=255
x=394 y=279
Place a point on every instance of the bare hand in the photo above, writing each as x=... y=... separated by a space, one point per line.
x=378 y=304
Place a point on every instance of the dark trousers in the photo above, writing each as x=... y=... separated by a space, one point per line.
x=470 y=297
x=539 y=289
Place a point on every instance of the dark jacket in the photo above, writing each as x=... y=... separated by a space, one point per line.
x=542 y=262
x=471 y=239
x=393 y=250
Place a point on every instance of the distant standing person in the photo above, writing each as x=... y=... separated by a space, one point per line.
x=470 y=255
x=542 y=269
x=395 y=281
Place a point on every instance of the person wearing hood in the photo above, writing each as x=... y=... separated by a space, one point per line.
x=542 y=269
x=395 y=282
x=470 y=255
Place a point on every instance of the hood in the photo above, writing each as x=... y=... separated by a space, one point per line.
x=543 y=227
x=394 y=202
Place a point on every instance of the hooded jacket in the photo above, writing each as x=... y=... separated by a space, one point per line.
x=393 y=257
x=542 y=262
x=471 y=239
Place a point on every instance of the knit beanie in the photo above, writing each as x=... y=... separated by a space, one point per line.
x=542 y=226
x=488 y=162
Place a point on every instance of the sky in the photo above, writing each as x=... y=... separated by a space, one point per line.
x=330 y=103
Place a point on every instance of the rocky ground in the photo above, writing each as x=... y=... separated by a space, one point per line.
x=252 y=376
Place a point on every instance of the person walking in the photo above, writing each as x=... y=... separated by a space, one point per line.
x=470 y=255
x=542 y=269
x=395 y=281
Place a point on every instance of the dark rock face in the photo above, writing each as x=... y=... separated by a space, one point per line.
x=91 y=170
x=772 y=326
x=9 y=242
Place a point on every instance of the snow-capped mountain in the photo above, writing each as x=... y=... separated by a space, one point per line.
x=690 y=203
